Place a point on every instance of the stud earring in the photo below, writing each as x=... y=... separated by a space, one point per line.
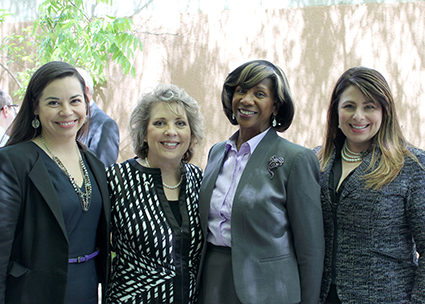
x=233 y=116
x=35 y=123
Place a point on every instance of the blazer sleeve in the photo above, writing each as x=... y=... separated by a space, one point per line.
x=305 y=216
x=105 y=142
x=10 y=205
x=415 y=210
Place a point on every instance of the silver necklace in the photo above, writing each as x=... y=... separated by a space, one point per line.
x=350 y=156
x=165 y=185
x=84 y=197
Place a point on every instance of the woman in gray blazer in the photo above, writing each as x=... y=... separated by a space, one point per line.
x=373 y=198
x=260 y=200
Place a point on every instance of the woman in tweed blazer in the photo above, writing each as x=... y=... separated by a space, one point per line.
x=373 y=198
x=156 y=231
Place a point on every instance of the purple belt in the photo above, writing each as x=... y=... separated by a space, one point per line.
x=83 y=258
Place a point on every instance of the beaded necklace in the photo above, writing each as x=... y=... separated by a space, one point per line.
x=84 y=197
x=350 y=156
x=165 y=185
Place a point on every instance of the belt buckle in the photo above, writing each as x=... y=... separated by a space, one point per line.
x=81 y=259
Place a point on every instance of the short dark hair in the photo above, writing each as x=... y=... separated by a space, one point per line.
x=5 y=99
x=141 y=115
x=46 y=74
x=249 y=75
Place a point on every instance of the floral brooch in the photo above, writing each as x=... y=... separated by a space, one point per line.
x=274 y=162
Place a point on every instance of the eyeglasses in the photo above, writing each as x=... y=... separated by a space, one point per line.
x=14 y=107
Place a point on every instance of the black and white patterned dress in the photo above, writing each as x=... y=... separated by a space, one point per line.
x=156 y=259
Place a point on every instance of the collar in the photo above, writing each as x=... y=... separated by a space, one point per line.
x=250 y=144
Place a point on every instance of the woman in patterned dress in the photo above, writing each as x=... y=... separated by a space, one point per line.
x=156 y=231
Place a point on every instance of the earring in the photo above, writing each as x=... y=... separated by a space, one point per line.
x=35 y=123
x=339 y=127
x=274 y=122
x=233 y=116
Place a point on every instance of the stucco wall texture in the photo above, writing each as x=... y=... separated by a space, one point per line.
x=313 y=45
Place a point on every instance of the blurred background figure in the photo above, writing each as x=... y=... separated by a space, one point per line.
x=7 y=115
x=104 y=135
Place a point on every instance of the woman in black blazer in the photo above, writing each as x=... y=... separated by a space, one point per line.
x=54 y=202
x=373 y=197
x=260 y=200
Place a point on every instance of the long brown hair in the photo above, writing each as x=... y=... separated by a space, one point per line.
x=389 y=142
x=21 y=129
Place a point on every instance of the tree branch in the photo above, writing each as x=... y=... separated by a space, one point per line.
x=10 y=73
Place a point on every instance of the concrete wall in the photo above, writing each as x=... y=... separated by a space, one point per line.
x=313 y=45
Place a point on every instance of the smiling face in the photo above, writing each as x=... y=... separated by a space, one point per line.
x=359 y=118
x=253 y=108
x=168 y=134
x=61 y=109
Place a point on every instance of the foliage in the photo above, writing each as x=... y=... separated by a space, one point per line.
x=64 y=31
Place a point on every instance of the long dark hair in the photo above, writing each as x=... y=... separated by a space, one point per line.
x=389 y=141
x=21 y=129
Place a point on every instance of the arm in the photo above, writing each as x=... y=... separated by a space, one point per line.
x=10 y=205
x=106 y=141
x=415 y=208
x=305 y=216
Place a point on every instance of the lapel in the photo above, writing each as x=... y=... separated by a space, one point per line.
x=41 y=180
x=263 y=152
x=99 y=174
x=215 y=162
x=353 y=182
x=324 y=179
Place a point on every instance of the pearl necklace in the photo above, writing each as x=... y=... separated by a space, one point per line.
x=165 y=185
x=350 y=156
x=84 y=197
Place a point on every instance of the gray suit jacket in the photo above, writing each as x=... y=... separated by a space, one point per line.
x=277 y=228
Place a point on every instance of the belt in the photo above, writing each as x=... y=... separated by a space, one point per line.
x=83 y=258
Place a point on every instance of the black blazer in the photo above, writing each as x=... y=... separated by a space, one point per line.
x=33 y=239
x=277 y=226
x=103 y=137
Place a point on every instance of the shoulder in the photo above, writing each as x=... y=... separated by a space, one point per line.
x=113 y=169
x=24 y=150
x=419 y=153
x=291 y=149
x=193 y=170
x=90 y=155
x=420 y=157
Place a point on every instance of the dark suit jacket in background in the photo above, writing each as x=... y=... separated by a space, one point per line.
x=103 y=137
x=277 y=227
x=33 y=238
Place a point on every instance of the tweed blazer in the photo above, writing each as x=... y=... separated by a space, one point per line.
x=371 y=236
x=33 y=238
x=276 y=224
